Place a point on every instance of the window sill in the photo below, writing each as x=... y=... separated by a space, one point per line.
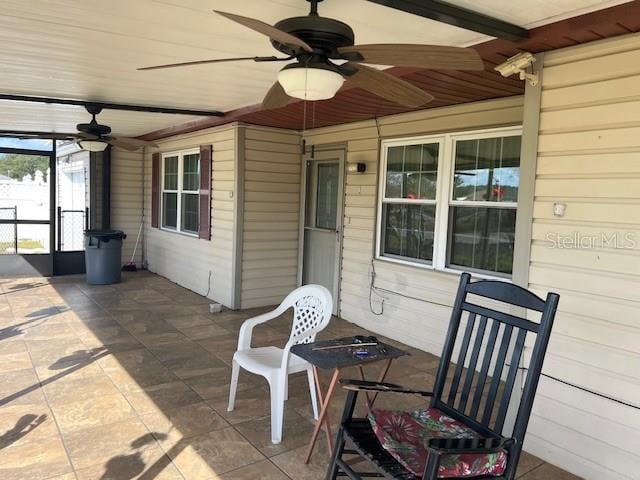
x=446 y=270
x=177 y=232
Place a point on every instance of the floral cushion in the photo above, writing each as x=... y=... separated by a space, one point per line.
x=405 y=435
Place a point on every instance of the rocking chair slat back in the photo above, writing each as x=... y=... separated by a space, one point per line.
x=497 y=374
x=473 y=362
x=484 y=369
x=462 y=355
x=479 y=365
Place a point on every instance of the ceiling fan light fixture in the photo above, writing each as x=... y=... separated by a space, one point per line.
x=310 y=82
x=93 y=145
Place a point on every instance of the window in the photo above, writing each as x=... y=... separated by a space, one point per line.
x=449 y=202
x=409 y=201
x=180 y=190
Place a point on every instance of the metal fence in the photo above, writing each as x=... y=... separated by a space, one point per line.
x=8 y=231
x=71 y=227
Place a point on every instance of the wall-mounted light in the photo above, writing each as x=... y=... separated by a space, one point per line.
x=519 y=64
x=93 y=145
x=357 y=167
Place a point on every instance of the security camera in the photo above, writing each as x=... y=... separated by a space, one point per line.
x=519 y=64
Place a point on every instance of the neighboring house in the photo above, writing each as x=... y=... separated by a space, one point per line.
x=394 y=254
x=73 y=192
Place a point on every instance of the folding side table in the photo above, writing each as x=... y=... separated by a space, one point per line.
x=336 y=359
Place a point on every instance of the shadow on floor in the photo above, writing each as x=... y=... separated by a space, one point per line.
x=25 y=425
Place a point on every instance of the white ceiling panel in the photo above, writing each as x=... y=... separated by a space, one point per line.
x=90 y=49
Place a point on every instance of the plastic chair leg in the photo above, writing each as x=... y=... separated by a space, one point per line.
x=313 y=393
x=286 y=387
x=235 y=372
x=277 y=390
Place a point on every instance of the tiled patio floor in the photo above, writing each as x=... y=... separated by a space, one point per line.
x=131 y=380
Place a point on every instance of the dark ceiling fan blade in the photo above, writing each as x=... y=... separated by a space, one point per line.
x=276 y=97
x=126 y=142
x=266 y=29
x=385 y=85
x=216 y=60
x=408 y=55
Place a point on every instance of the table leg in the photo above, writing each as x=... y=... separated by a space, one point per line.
x=367 y=394
x=381 y=378
x=327 y=423
x=322 y=418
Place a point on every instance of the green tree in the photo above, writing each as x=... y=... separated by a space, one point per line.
x=17 y=166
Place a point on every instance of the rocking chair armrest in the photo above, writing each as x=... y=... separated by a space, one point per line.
x=365 y=386
x=447 y=446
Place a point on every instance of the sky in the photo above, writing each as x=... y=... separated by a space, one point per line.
x=32 y=143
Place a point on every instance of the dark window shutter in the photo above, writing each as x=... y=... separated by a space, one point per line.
x=204 y=228
x=155 y=189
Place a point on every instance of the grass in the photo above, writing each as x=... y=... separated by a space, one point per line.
x=23 y=243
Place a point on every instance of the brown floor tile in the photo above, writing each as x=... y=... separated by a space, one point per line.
x=216 y=384
x=292 y=462
x=527 y=463
x=20 y=387
x=250 y=404
x=72 y=389
x=297 y=431
x=257 y=471
x=26 y=423
x=222 y=347
x=82 y=369
x=162 y=397
x=172 y=426
x=189 y=321
x=91 y=412
x=207 y=456
x=97 y=445
x=34 y=460
x=209 y=330
x=151 y=340
x=67 y=476
x=14 y=361
x=150 y=463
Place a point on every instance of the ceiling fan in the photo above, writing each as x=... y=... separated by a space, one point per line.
x=95 y=137
x=91 y=136
x=316 y=43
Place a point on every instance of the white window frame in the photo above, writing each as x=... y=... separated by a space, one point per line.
x=180 y=154
x=444 y=194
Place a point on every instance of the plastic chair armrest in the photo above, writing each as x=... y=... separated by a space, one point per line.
x=246 y=330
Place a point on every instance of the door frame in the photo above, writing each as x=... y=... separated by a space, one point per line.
x=43 y=263
x=324 y=155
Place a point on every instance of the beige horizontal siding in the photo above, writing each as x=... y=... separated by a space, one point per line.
x=271 y=215
x=200 y=265
x=588 y=152
x=126 y=199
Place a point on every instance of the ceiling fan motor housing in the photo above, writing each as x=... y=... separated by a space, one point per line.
x=324 y=35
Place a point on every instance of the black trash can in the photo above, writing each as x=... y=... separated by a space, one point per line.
x=103 y=256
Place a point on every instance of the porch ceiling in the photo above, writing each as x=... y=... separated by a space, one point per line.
x=90 y=50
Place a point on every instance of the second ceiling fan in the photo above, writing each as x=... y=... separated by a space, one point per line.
x=316 y=43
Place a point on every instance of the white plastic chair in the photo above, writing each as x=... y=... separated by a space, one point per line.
x=312 y=306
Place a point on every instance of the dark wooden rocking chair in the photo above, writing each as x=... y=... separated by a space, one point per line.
x=472 y=431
